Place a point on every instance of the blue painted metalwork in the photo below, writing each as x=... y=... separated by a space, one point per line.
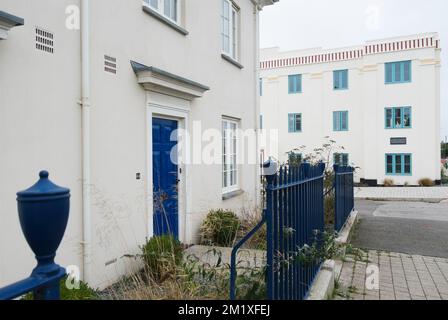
x=165 y=178
x=43 y=213
x=344 y=195
x=294 y=214
x=295 y=217
x=233 y=273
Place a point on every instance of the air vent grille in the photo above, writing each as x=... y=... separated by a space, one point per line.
x=44 y=40
x=110 y=64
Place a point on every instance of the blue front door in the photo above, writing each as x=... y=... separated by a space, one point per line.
x=165 y=177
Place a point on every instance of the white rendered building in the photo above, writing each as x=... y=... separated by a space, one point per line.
x=92 y=91
x=380 y=101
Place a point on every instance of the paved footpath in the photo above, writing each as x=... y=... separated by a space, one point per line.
x=432 y=194
x=401 y=277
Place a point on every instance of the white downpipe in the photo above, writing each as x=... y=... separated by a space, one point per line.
x=257 y=104
x=85 y=101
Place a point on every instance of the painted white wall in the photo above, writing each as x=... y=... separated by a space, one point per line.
x=40 y=127
x=40 y=122
x=367 y=140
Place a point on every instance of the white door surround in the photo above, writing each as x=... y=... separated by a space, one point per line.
x=168 y=107
x=169 y=96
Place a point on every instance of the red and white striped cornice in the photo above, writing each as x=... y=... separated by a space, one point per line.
x=369 y=49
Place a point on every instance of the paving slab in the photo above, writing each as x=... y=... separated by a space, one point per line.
x=425 y=194
x=399 y=287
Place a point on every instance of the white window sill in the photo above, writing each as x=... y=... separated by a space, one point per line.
x=165 y=20
x=232 y=194
x=232 y=61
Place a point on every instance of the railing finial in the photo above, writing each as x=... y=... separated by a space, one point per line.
x=43 y=213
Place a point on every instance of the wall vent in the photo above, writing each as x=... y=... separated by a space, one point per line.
x=44 y=40
x=110 y=64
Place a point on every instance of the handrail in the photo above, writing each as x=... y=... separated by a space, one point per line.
x=294 y=184
x=46 y=287
x=233 y=273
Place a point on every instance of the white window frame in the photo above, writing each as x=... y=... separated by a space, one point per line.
x=233 y=26
x=231 y=142
x=161 y=9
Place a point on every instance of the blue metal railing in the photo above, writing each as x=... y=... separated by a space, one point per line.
x=43 y=214
x=43 y=287
x=344 y=195
x=233 y=271
x=294 y=212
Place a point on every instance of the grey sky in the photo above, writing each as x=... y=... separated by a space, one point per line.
x=297 y=24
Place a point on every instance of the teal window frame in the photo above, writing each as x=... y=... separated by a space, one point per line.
x=294 y=83
x=295 y=122
x=395 y=72
x=398 y=165
x=338 y=121
x=340 y=79
x=392 y=114
x=341 y=159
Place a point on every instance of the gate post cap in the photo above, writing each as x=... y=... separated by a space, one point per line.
x=44 y=174
x=270 y=167
x=44 y=187
x=43 y=214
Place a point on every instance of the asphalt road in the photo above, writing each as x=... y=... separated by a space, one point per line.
x=405 y=227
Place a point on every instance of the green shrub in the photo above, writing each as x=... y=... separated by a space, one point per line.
x=220 y=228
x=212 y=280
x=426 y=182
x=161 y=256
x=389 y=182
x=83 y=293
x=251 y=284
x=324 y=247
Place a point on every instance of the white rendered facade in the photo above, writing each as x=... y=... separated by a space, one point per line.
x=94 y=121
x=404 y=150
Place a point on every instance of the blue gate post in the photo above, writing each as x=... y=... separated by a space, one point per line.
x=43 y=214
